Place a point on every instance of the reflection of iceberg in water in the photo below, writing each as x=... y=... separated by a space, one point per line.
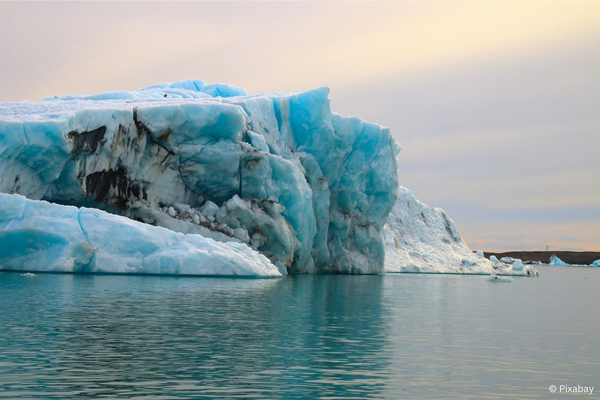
x=309 y=336
x=344 y=343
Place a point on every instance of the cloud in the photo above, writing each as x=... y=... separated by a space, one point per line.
x=267 y=46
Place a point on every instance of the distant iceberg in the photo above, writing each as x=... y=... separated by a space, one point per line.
x=557 y=262
x=279 y=174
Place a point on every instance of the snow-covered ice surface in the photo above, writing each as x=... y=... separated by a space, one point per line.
x=39 y=236
x=419 y=238
x=309 y=189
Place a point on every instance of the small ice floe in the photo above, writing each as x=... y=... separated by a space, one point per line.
x=497 y=278
x=28 y=274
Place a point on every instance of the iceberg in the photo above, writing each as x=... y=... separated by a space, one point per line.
x=422 y=239
x=44 y=237
x=280 y=175
x=557 y=262
x=595 y=264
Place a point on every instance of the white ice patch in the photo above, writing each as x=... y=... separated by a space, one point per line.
x=419 y=238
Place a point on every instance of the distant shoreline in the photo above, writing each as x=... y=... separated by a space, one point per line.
x=570 y=257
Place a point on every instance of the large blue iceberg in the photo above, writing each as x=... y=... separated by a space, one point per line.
x=281 y=175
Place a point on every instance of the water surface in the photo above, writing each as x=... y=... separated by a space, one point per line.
x=393 y=336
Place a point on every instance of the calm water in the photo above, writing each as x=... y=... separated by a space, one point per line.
x=394 y=336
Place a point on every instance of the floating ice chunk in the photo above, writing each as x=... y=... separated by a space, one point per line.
x=39 y=236
x=494 y=259
x=595 y=264
x=480 y=254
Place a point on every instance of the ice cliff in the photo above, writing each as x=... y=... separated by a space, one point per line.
x=280 y=174
x=419 y=238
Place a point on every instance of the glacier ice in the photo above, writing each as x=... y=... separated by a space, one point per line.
x=282 y=174
x=595 y=264
x=419 y=238
x=39 y=236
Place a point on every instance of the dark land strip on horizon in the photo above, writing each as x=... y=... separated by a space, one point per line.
x=570 y=257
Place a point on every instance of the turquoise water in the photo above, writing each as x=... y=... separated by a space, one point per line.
x=393 y=336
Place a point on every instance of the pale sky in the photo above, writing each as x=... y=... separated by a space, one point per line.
x=496 y=104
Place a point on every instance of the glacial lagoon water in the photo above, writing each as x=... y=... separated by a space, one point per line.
x=394 y=336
